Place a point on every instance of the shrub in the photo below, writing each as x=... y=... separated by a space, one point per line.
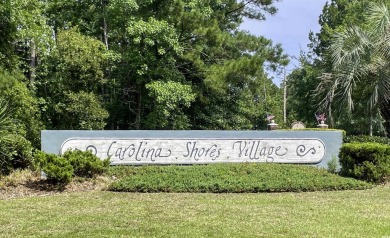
x=333 y=165
x=366 y=161
x=85 y=164
x=15 y=150
x=56 y=168
x=15 y=153
x=366 y=138
x=23 y=106
x=61 y=169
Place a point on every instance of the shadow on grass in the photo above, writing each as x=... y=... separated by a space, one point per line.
x=45 y=185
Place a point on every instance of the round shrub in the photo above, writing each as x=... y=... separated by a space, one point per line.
x=15 y=153
x=85 y=164
x=56 y=168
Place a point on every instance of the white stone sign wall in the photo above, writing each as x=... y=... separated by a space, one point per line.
x=200 y=151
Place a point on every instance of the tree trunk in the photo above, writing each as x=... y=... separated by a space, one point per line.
x=105 y=28
x=385 y=112
x=33 y=62
x=105 y=32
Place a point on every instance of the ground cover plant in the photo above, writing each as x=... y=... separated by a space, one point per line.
x=229 y=178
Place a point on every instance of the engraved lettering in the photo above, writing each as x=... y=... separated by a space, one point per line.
x=281 y=153
x=109 y=148
x=301 y=150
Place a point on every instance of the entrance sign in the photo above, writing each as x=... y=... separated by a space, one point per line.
x=198 y=147
x=190 y=151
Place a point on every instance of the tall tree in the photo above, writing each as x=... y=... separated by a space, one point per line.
x=337 y=15
x=32 y=37
x=360 y=69
x=7 y=35
x=301 y=85
x=73 y=82
x=190 y=49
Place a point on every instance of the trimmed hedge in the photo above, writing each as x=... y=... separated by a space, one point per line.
x=366 y=139
x=229 y=178
x=365 y=161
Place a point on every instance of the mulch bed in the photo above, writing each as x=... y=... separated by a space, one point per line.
x=39 y=187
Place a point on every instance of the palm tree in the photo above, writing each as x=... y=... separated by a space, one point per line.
x=6 y=127
x=361 y=66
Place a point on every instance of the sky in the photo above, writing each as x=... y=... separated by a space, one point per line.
x=290 y=26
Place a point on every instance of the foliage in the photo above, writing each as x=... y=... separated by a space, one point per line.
x=306 y=85
x=19 y=119
x=236 y=94
x=56 y=168
x=333 y=165
x=15 y=150
x=201 y=47
x=366 y=161
x=170 y=99
x=76 y=63
x=28 y=34
x=16 y=153
x=354 y=70
x=235 y=178
x=85 y=164
x=73 y=74
x=336 y=16
x=361 y=53
x=61 y=169
x=7 y=32
x=365 y=139
x=94 y=64
x=80 y=111
x=23 y=104
x=301 y=85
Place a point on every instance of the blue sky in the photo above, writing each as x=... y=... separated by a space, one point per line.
x=290 y=26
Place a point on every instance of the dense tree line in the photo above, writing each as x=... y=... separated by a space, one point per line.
x=134 y=64
x=174 y=64
x=131 y=64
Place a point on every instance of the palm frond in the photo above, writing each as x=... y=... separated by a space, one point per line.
x=349 y=45
x=384 y=86
x=6 y=123
x=360 y=56
x=379 y=28
x=378 y=18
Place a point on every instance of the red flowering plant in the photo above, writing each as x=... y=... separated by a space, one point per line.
x=270 y=118
x=321 y=118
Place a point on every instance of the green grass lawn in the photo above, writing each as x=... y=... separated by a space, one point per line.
x=358 y=213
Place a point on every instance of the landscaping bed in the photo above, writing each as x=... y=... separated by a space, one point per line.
x=229 y=178
x=214 y=178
